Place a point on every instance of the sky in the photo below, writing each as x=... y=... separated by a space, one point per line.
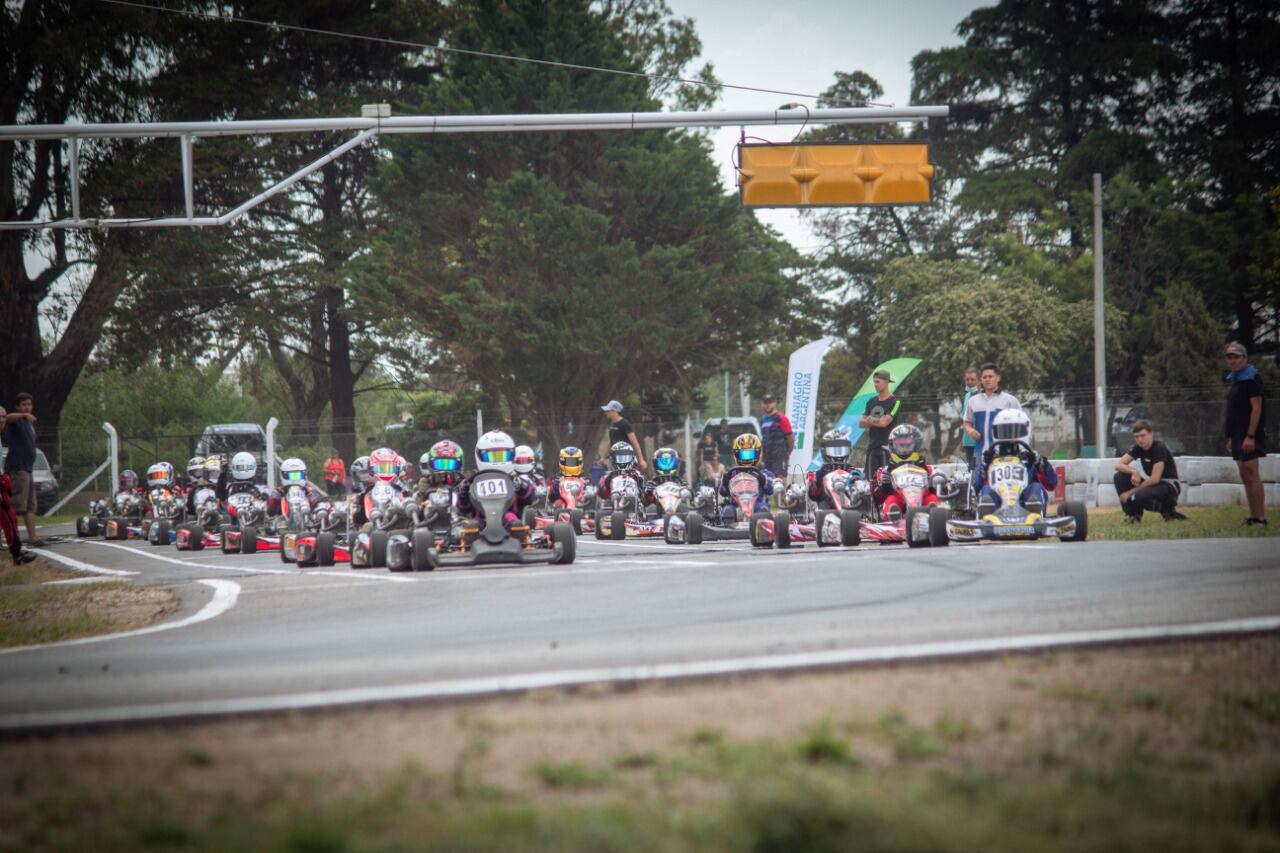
x=799 y=46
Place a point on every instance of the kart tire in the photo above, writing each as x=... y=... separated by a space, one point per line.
x=399 y=559
x=850 y=527
x=195 y=539
x=285 y=555
x=159 y=533
x=249 y=540
x=820 y=522
x=758 y=539
x=666 y=529
x=575 y=521
x=422 y=556
x=122 y=528
x=618 y=525
x=529 y=518
x=938 y=516
x=378 y=549
x=224 y=536
x=324 y=549
x=600 y=516
x=562 y=537
x=1080 y=512
x=693 y=528
x=782 y=529
x=910 y=523
x=82 y=527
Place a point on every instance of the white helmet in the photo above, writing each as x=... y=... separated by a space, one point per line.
x=1011 y=425
x=495 y=451
x=195 y=468
x=360 y=471
x=293 y=472
x=424 y=464
x=160 y=475
x=524 y=459
x=243 y=466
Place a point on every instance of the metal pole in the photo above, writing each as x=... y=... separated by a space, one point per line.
x=688 y=449
x=73 y=149
x=479 y=424
x=1099 y=322
x=113 y=451
x=726 y=393
x=188 y=185
x=271 y=451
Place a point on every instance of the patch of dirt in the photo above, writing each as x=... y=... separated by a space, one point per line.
x=39 y=570
x=51 y=612
x=1209 y=705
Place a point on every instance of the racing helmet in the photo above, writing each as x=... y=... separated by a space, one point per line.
x=128 y=480
x=244 y=467
x=1011 y=425
x=666 y=462
x=360 y=471
x=442 y=463
x=747 y=449
x=571 y=462
x=160 y=475
x=213 y=468
x=524 y=459
x=623 y=455
x=905 y=442
x=293 y=472
x=495 y=451
x=195 y=468
x=835 y=447
x=384 y=464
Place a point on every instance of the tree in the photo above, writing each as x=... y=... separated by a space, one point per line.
x=1185 y=346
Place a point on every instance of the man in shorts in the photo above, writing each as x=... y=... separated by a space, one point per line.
x=1246 y=428
x=20 y=439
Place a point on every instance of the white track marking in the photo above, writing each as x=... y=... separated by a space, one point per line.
x=224 y=598
x=81 y=567
x=190 y=564
x=93 y=579
x=521 y=682
x=359 y=573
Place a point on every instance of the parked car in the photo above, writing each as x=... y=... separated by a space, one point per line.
x=230 y=439
x=42 y=476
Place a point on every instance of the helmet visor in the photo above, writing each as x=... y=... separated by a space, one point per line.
x=836 y=451
x=747 y=454
x=1009 y=431
x=293 y=476
x=624 y=457
x=496 y=455
x=903 y=445
x=444 y=463
x=384 y=469
x=666 y=464
x=158 y=477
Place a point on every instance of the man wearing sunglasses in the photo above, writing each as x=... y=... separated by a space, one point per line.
x=1246 y=427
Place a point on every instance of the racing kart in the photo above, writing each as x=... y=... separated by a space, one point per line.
x=439 y=523
x=322 y=544
x=622 y=514
x=168 y=510
x=744 y=490
x=113 y=519
x=488 y=541
x=200 y=534
x=805 y=521
x=244 y=533
x=920 y=525
x=390 y=508
x=1010 y=520
x=575 y=507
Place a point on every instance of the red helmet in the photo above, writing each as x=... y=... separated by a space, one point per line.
x=384 y=464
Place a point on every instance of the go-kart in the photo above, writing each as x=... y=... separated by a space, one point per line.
x=836 y=523
x=168 y=510
x=622 y=514
x=200 y=534
x=575 y=507
x=488 y=541
x=1011 y=520
x=437 y=520
x=93 y=523
x=113 y=518
x=744 y=491
x=323 y=544
x=922 y=523
x=246 y=532
x=390 y=508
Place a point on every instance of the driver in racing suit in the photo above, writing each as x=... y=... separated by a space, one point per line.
x=293 y=472
x=495 y=451
x=906 y=447
x=623 y=458
x=836 y=450
x=666 y=468
x=237 y=478
x=361 y=483
x=571 y=464
x=1011 y=436
x=747 y=453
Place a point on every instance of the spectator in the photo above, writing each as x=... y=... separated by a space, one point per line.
x=982 y=409
x=971 y=385
x=1246 y=427
x=335 y=474
x=879 y=418
x=778 y=437
x=707 y=451
x=715 y=470
x=8 y=520
x=724 y=441
x=620 y=429
x=1155 y=487
x=20 y=438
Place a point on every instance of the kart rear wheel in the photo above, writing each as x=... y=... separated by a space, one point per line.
x=782 y=529
x=575 y=521
x=820 y=524
x=118 y=528
x=422 y=556
x=159 y=533
x=912 y=542
x=693 y=528
x=288 y=554
x=938 y=516
x=600 y=516
x=618 y=525
x=378 y=549
x=195 y=538
x=529 y=518
x=324 y=549
x=850 y=527
x=562 y=538
x=249 y=540
x=758 y=537
x=225 y=536
x=1080 y=512
x=82 y=527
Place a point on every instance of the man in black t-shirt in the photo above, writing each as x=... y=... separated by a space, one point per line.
x=880 y=417
x=1246 y=427
x=620 y=429
x=1155 y=487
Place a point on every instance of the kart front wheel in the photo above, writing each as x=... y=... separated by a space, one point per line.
x=249 y=540
x=529 y=518
x=159 y=533
x=938 y=516
x=618 y=525
x=1080 y=513
x=195 y=537
x=820 y=525
x=758 y=537
x=782 y=529
x=850 y=527
x=914 y=513
x=422 y=557
x=324 y=549
x=562 y=540
x=693 y=528
x=378 y=549
x=575 y=521
x=600 y=517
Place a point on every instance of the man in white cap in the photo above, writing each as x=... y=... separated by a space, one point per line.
x=620 y=429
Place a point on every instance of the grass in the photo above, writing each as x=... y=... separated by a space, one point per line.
x=34 y=615
x=1203 y=522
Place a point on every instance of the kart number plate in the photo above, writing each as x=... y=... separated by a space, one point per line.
x=494 y=487
x=240 y=500
x=744 y=486
x=909 y=479
x=571 y=486
x=1013 y=530
x=1007 y=473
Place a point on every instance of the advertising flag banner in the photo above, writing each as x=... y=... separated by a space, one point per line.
x=899 y=369
x=802 y=398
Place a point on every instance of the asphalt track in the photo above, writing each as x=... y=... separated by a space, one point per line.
x=255 y=634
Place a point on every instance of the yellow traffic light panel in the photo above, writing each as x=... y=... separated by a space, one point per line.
x=834 y=175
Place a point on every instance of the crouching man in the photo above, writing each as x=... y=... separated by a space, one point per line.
x=1155 y=491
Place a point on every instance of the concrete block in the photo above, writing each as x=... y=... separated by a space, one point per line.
x=1269 y=468
x=1273 y=494
x=1215 y=469
x=1221 y=494
x=1107 y=495
x=1082 y=470
x=1189 y=469
x=1190 y=496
